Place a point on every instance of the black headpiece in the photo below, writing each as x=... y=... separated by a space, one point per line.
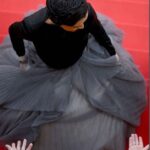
x=66 y=11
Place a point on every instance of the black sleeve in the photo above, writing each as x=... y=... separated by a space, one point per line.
x=18 y=32
x=97 y=30
x=25 y=29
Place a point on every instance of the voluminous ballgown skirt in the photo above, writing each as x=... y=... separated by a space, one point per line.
x=91 y=105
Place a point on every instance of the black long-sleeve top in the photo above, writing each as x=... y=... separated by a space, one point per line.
x=55 y=46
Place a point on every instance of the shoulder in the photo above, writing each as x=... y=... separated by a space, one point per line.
x=15 y=27
x=91 y=10
x=35 y=20
x=92 y=16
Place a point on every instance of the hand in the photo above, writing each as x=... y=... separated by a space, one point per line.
x=49 y=21
x=24 y=63
x=24 y=66
x=19 y=147
x=136 y=143
x=117 y=57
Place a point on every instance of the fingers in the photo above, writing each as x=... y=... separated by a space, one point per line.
x=13 y=146
x=24 y=67
x=130 y=141
x=24 y=144
x=18 y=145
x=140 y=141
x=8 y=147
x=136 y=140
x=30 y=146
x=137 y=143
x=146 y=147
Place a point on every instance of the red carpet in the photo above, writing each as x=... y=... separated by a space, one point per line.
x=130 y=15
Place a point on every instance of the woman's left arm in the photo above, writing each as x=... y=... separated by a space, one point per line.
x=97 y=30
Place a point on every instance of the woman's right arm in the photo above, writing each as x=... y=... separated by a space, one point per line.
x=18 y=32
x=25 y=29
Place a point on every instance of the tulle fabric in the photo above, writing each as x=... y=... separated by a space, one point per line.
x=110 y=91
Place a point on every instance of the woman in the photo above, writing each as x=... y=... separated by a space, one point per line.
x=72 y=86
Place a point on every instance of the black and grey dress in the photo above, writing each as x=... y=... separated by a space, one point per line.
x=76 y=94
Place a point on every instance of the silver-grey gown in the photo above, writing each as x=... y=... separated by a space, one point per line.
x=92 y=105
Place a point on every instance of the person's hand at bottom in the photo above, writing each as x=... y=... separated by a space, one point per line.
x=136 y=143
x=19 y=146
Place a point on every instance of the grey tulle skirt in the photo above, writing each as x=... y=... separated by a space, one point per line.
x=91 y=105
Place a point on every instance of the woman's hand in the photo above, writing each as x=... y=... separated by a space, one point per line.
x=136 y=143
x=18 y=146
x=24 y=65
x=117 y=57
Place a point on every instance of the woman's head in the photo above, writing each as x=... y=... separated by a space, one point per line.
x=78 y=25
x=67 y=12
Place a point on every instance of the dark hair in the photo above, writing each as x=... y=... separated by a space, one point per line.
x=66 y=12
